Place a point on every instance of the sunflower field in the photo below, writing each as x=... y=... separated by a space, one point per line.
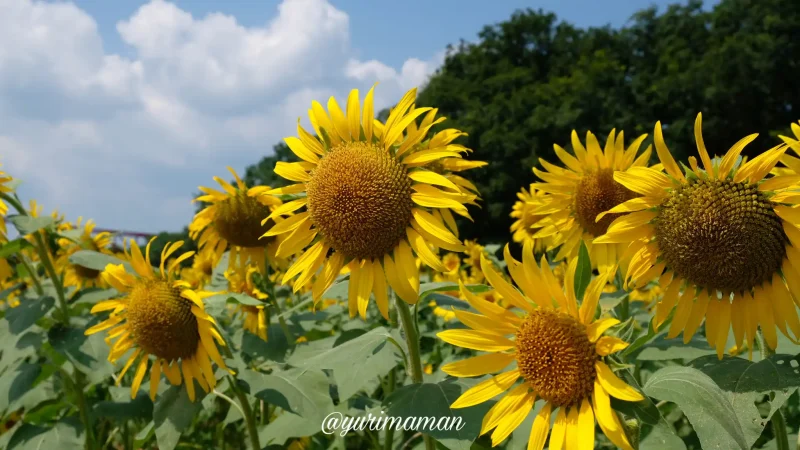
x=637 y=303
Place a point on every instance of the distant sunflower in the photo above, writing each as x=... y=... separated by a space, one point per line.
x=78 y=276
x=524 y=210
x=722 y=241
x=234 y=220
x=203 y=264
x=558 y=348
x=163 y=317
x=255 y=317
x=371 y=197
x=574 y=195
x=5 y=180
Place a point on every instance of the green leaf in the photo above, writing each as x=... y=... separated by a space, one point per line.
x=14 y=384
x=14 y=348
x=14 y=247
x=662 y=437
x=357 y=362
x=88 y=353
x=26 y=225
x=144 y=435
x=583 y=273
x=96 y=260
x=73 y=235
x=303 y=392
x=428 y=400
x=93 y=295
x=239 y=298
x=274 y=349
x=27 y=313
x=287 y=426
x=67 y=434
x=448 y=286
x=674 y=349
x=173 y=413
x=706 y=406
x=747 y=383
x=139 y=408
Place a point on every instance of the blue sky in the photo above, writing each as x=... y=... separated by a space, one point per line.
x=118 y=110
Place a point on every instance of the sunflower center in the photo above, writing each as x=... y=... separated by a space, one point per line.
x=359 y=197
x=238 y=220
x=555 y=357
x=597 y=192
x=720 y=235
x=162 y=321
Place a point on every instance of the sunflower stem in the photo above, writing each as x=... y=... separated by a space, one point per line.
x=414 y=362
x=777 y=421
x=84 y=410
x=390 y=382
x=44 y=255
x=252 y=431
x=34 y=277
x=625 y=308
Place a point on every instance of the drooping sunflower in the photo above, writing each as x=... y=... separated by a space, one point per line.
x=558 y=347
x=234 y=220
x=722 y=241
x=524 y=210
x=78 y=276
x=255 y=316
x=372 y=200
x=162 y=317
x=575 y=194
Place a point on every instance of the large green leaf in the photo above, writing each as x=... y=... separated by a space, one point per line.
x=14 y=348
x=15 y=383
x=301 y=391
x=28 y=224
x=432 y=401
x=357 y=362
x=706 y=406
x=583 y=272
x=96 y=260
x=173 y=413
x=66 y=434
x=139 y=408
x=287 y=426
x=88 y=353
x=747 y=383
x=94 y=295
x=13 y=247
x=673 y=349
x=27 y=313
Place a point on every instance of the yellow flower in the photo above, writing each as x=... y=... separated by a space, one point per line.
x=255 y=317
x=203 y=265
x=162 y=317
x=234 y=219
x=721 y=241
x=370 y=199
x=524 y=210
x=558 y=348
x=574 y=195
x=5 y=179
x=78 y=276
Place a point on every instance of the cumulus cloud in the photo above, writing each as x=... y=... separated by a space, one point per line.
x=126 y=140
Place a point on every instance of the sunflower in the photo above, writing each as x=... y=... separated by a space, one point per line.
x=5 y=180
x=255 y=317
x=558 y=348
x=575 y=194
x=370 y=199
x=79 y=276
x=721 y=240
x=203 y=265
x=524 y=210
x=234 y=219
x=163 y=317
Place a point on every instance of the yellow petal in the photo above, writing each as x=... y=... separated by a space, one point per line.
x=155 y=377
x=511 y=421
x=141 y=369
x=607 y=419
x=297 y=147
x=479 y=365
x=596 y=329
x=476 y=340
x=585 y=425
x=607 y=345
x=541 y=425
x=665 y=156
x=614 y=385
x=486 y=390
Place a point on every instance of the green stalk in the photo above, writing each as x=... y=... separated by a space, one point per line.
x=387 y=443
x=252 y=431
x=778 y=422
x=44 y=255
x=414 y=363
x=36 y=284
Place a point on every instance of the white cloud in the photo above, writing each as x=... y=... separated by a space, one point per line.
x=126 y=140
